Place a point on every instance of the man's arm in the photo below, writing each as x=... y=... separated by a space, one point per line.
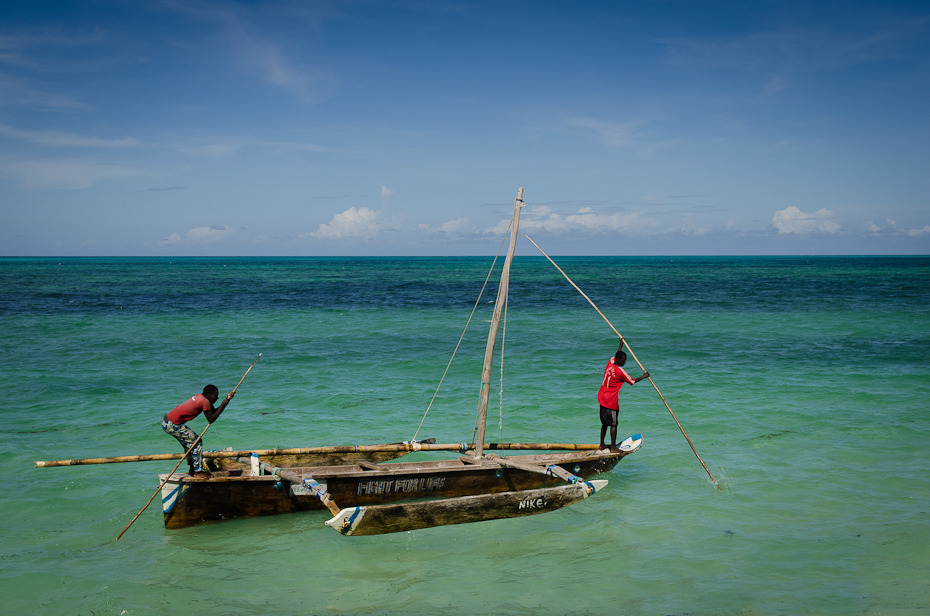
x=215 y=413
x=640 y=378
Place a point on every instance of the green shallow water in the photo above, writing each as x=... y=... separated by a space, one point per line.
x=803 y=384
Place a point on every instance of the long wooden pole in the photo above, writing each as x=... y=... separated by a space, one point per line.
x=182 y=458
x=495 y=324
x=337 y=449
x=623 y=342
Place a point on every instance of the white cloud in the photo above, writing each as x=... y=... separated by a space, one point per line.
x=207 y=234
x=890 y=226
x=273 y=65
x=265 y=55
x=386 y=193
x=612 y=134
x=61 y=174
x=543 y=218
x=352 y=223
x=263 y=52
x=197 y=235
x=891 y=229
x=19 y=93
x=458 y=226
x=793 y=220
x=53 y=138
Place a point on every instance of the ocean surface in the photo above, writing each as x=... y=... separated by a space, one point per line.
x=803 y=383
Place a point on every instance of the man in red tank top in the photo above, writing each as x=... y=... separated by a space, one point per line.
x=173 y=424
x=608 y=396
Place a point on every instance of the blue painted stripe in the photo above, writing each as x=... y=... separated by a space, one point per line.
x=181 y=488
x=351 y=520
x=571 y=478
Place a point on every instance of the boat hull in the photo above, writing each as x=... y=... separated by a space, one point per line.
x=187 y=501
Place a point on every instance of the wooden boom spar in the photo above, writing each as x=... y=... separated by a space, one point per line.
x=388 y=447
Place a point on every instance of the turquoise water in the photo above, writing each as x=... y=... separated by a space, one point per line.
x=802 y=382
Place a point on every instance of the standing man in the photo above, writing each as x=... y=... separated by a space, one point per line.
x=608 y=396
x=173 y=424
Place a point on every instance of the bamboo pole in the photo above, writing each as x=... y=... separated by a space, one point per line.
x=185 y=455
x=633 y=355
x=335 y=449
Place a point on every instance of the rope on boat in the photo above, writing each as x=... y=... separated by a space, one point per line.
x=462 y=337
x=413 y=445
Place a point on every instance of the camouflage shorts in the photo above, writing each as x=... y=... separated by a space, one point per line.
x=186 y=437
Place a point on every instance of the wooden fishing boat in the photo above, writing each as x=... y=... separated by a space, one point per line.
x=380 y=497
x=187 y=500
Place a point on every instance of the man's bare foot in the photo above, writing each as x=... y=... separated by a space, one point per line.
x=201 y=474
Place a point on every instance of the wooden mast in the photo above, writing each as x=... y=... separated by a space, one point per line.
x=495 y=323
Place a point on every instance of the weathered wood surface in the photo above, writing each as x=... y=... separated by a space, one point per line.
x=226 y=495
x=553 y=470
x=307 y=481
x=382 y=519
x=294 y=460
x=324 y=456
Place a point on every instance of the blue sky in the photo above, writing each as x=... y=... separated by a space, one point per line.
x=199 y=127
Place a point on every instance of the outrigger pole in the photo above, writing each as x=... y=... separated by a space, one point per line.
x=406 y=446
x=624 y=342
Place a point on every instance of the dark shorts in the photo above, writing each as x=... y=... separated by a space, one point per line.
x=609 y=417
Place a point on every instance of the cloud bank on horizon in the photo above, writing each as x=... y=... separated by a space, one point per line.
x=356 y=128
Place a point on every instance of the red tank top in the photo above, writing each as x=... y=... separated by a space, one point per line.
x=189 y=409
x=614 y=378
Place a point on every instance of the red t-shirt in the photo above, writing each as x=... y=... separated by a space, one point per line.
x=614 y=378
x=186 y=411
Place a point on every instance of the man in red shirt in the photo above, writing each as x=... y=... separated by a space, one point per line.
x=608 y=396
x=173 y=424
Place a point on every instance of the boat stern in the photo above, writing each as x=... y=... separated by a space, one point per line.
x=172 y=490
